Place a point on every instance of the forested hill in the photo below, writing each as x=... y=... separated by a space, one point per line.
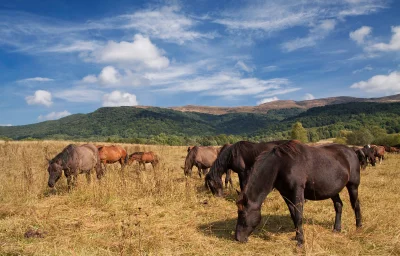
x=129 y=122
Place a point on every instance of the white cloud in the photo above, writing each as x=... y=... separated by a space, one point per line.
x=141 y=53
x=269 y=16
x=117 y=98
x=269 y=68
x=77 y=46
x=308 y=96
x=54 y=115
x=360 y=34
x=226 y=84
x=393 y=45
x=240 y=64
x=366 y=68
x=36 y=79
x=278 y=91
x=380 y=83
x=79 y=94
x=6 y=125
x=165 y=23
x=90 y=79
x=266 y=100
x=109 y=76
x=40 y=97
x=317 y=33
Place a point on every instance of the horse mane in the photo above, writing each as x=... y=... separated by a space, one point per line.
x=289 y=148
x=63 y=155
x=223 y=158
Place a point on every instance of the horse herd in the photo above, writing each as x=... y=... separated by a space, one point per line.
x=296 y=170
x=74 y=160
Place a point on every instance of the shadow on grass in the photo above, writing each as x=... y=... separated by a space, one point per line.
x=225 y=229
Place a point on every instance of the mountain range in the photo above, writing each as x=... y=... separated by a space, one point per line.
x=324 y=117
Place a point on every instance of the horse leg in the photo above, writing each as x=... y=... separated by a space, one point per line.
x=88 y=177
x=291 y=209
x=355 y=203
x=298 y=200
x=242 y=179
x=69 y=182
x=228 y=178
x=338 y=204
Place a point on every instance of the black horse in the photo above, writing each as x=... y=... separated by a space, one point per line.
x=239 y=157
x=299 y=172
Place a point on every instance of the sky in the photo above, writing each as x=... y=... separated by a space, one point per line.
x=65 y=57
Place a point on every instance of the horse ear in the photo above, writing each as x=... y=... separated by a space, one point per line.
x=238 y=192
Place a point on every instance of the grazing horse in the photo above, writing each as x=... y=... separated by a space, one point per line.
x=144 y=158
x=299 y=172
x=239 y=157
x=394 y=150
x=112 y=154
x=74 y=160
x=201 y=157
x=366 y=154
x=379 y=152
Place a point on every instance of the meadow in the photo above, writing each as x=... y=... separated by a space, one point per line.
x=160 y=212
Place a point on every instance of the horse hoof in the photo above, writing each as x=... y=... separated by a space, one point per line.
x=336 y=230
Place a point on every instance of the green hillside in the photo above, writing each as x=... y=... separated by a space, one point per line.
x=148 y=124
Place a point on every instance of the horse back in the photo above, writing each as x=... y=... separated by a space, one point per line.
x=86 y=157
x=206 y=156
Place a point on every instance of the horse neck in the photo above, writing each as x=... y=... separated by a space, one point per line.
x=261 y=180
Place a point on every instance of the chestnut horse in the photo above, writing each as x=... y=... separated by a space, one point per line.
x=74 y=160
x=143 y=158
x=113 y=154
x=379 y=152
x=299 y=172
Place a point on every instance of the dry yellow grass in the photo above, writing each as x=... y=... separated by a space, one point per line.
x=159 y=212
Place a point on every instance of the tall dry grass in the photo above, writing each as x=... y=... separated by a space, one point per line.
x=159 y=212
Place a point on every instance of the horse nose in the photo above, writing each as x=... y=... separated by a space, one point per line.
x=50 y=184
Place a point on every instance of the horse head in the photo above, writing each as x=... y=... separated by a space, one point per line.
x=214 y=185
x=55 y=172
x=248 y=218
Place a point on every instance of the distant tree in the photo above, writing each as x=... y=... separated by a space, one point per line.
x=360 y=137
x=299 y=133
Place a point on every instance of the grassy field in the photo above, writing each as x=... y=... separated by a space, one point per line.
x=160 y=212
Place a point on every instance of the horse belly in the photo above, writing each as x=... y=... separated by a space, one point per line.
x=325 y=185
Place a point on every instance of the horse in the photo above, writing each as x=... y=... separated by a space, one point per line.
x=365 y=154
x=144 y=158
x=239 y=157
x=299 y=172
x=201 y=157
x=379 y=152
x=112 y=154
x=394 y=150
x=74 y=160
x=190 y=148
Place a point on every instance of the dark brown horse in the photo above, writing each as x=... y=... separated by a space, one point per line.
x=113 y=154
x=74 y=160
x=239 y=157
x=299 y=172
x=364 y=155
x=201 y=157
x=144 y=158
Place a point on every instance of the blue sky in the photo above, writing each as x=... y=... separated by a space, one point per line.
x=65 y=57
